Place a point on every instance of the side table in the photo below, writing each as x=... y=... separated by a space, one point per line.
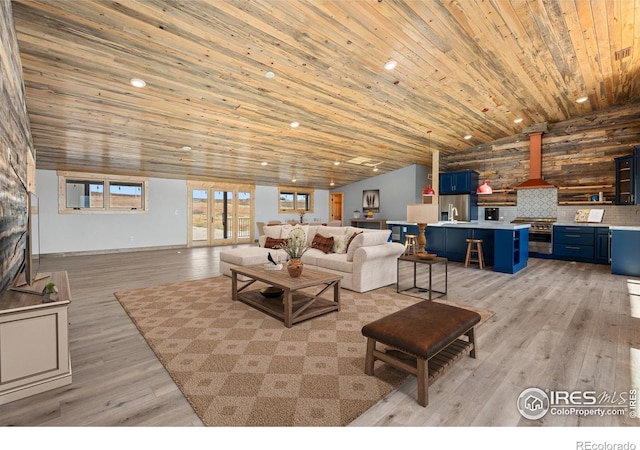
x=430 y=262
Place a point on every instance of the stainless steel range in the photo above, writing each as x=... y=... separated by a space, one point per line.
x=540 y=234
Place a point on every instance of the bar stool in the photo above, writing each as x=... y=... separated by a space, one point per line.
x=474 y=246
x=410 y=244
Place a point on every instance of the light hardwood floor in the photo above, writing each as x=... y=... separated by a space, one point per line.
x=558 y=325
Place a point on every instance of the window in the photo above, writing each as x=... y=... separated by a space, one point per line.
x=81 y=193
x=295 y=199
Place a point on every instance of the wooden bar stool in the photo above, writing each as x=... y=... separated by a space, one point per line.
x=410 y=244
x=474 y=246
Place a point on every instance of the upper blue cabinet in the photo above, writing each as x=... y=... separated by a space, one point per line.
x=628 y=179
x=463 y=182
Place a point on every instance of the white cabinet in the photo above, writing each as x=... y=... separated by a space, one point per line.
x=34 y=342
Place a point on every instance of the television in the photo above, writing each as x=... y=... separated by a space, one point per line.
x=29 y=280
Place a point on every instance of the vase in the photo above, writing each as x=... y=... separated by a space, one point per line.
x=294 y=266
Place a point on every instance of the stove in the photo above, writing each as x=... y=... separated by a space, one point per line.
x=540 y=234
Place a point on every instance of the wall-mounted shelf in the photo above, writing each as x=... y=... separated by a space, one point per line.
x=499 y=197
x=581 y=195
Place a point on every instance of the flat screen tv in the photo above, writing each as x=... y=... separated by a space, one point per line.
x=28 y=277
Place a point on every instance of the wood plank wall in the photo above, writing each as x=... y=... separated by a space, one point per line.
x=15 y=134
x=575 y=152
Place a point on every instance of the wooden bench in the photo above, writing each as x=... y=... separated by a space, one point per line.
x=423 y=339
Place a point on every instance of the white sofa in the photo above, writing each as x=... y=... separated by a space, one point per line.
x=369 y=262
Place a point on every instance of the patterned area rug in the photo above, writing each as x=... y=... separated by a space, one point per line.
x=239 y=367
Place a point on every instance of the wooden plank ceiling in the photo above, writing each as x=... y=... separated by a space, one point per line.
x=205 y=66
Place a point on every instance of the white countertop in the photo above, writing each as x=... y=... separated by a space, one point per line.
x=497 y=225
x=624 y=228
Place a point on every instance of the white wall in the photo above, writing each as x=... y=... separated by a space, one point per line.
x=397 y=189
x=164 y=224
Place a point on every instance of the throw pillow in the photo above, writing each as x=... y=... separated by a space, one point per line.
x=273 y=231
x=322 y=243
x=340 y=243
x=274 y=242
x=286 y=230
x=353 y=236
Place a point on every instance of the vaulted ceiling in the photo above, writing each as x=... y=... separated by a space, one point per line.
x=227 y=78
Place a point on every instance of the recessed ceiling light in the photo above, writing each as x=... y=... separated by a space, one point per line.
x=582 y=99
x=468 y=136
x=294 y=124
x=332 y=183
x=269 y=74
x=336 y=163
x=264 y=163
x=375 y=168
x=518 y=120
x=137 y=82
x=390 y=65
x=186 y=148
x=293 y=180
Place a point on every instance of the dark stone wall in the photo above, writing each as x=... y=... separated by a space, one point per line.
x=15 y=143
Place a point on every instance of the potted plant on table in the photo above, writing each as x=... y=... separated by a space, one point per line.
x=295 y=247
x=50 y=293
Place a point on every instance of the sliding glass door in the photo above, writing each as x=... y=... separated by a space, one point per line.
x=220 y=214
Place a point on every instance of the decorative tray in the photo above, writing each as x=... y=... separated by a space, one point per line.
x=271 y=292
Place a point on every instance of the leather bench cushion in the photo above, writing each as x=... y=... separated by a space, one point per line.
x=422 y=329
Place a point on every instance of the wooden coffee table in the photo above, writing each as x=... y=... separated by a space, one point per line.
x=294 y=305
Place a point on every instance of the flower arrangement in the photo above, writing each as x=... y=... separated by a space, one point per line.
x=301 y=212
x=296 y=245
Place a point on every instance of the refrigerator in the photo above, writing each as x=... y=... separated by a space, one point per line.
x=466 y=206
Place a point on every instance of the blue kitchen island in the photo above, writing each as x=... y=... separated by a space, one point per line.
x=505 y=245
x=625 y=250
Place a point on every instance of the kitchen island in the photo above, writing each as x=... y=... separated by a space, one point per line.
x=625 y=248
x=505 y=245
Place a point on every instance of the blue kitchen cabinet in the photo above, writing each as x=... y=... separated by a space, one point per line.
x=488 y=244
x=511 y=250
x=625 y=252
x=463 y=182
x=628 y=179
x=435 y=240
x=581 y=243
x=456 y=243
x=602 y=245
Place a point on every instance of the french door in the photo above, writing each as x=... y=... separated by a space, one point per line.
x=220 y=214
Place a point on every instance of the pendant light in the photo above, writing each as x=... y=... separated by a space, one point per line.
x=484 y=188
x=428 y=191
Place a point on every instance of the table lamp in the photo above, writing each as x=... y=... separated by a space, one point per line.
x=422 y=214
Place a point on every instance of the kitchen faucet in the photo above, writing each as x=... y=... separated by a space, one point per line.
x=453 y=211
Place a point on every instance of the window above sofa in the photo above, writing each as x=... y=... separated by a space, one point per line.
x=294 y=199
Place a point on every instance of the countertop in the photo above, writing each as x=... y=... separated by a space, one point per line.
x=605 y=225
x=497 y=225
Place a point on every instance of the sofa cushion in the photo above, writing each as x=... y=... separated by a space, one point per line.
x=335 y=261
x=274 y=242
x=312 y=255
x=322 y=243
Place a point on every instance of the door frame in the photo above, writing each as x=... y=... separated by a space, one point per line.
x=332 y=198
x=211 y=187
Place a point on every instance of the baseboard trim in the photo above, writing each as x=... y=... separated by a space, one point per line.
x=114 y=250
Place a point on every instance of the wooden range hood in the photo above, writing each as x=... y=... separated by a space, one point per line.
x=535 y=159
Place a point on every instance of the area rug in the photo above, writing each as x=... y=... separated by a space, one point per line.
x=239 y=367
